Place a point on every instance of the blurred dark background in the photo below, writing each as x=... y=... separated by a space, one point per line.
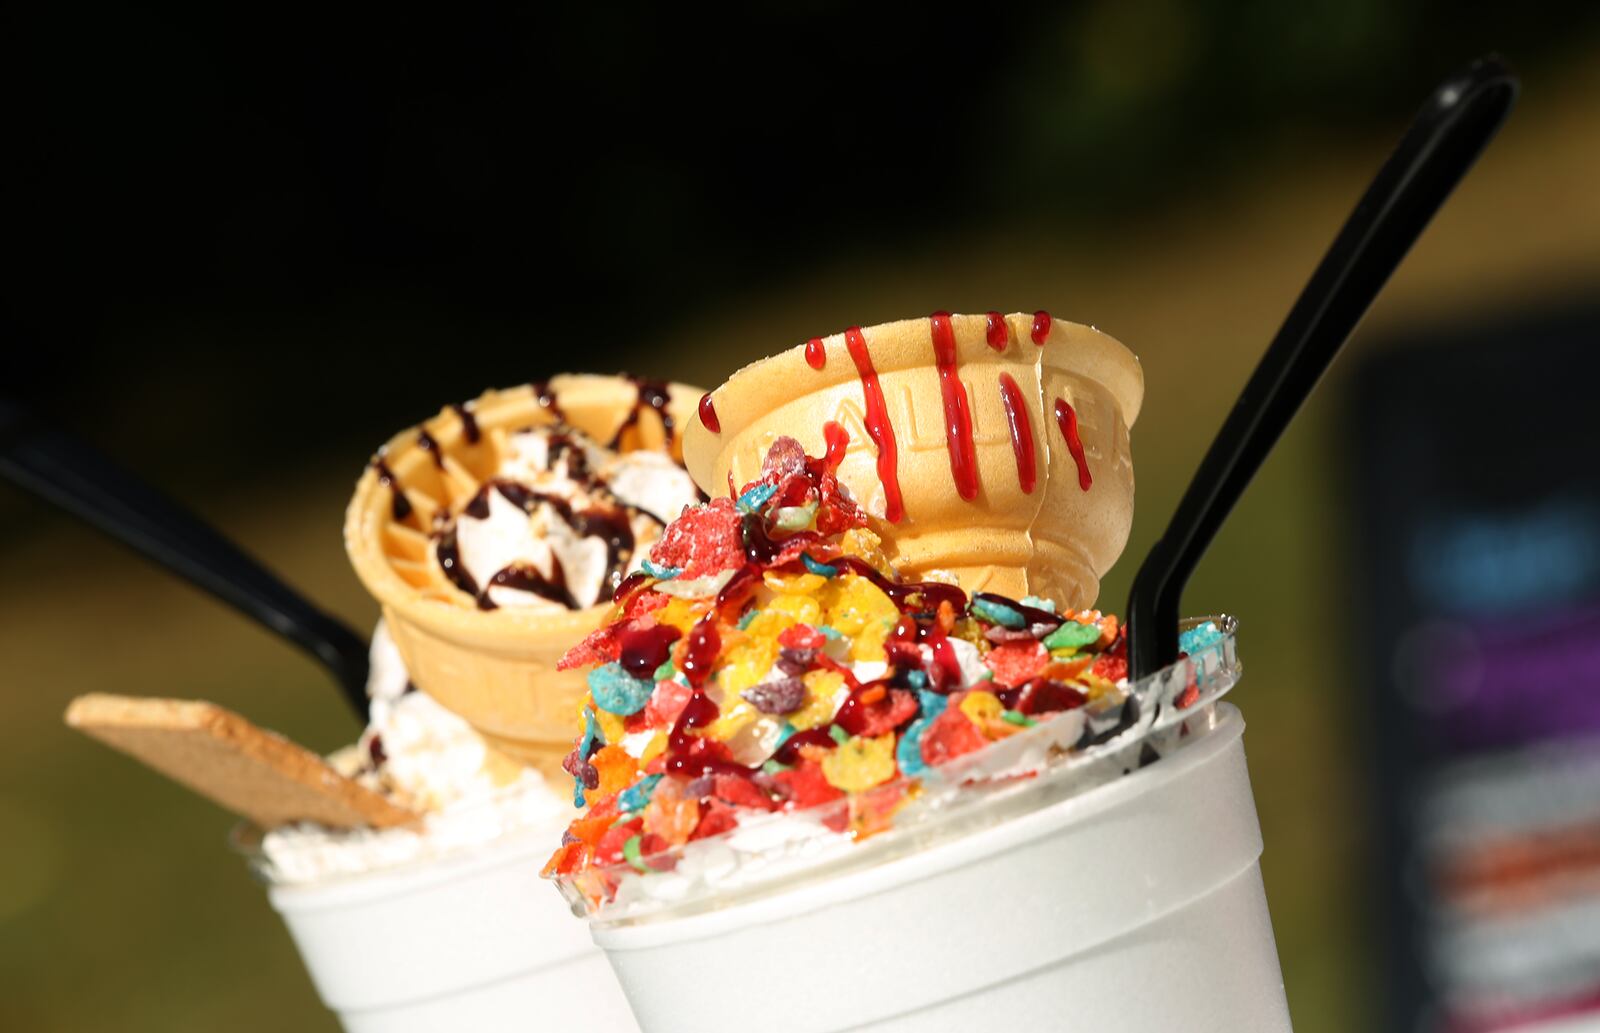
x=248 y=246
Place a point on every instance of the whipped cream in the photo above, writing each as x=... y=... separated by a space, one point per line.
x=424 y=757
x=561 y=522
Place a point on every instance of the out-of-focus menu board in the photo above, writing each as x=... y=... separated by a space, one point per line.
x=1477 y=478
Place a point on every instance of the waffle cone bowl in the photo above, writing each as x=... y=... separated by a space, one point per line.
x=993 y=447
x=495 y=668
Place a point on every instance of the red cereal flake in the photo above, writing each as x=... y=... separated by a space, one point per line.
x=568 y=858
x=600 y=647
x=739 y=791
x=836 y=511
x=887 y=712
x=610 y=849
x=785 y=458
x=715 y=818
x=704 y=540
x=950 y=736
x=1014 y=663
x=1190 y=694
x=666 y=703
x=804 y=786
x=1042 y=696
x=1111 y=666
x=605 y=645
x=793 y=490
x=802 y=636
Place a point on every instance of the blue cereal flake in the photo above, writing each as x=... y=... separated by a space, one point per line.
x=1047 y=605
x=916 y=679
x=660 y=573
x=1198 y=640
x=617 y=692
x=820 y=569
x=637 y=795
x=831 y=633
x=998 y=613
x=908 y=752
x=752 y=500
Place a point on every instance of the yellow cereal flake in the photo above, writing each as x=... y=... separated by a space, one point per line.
x=868 y=642
x=744 y=663
x=679 y=613
x=803 y=583
x=859 y=764
x=825 y=692
x=610 y=725
x=858 y=541
x=654 y=748
x=781 y=613
x=982 y=707
x=857 y=603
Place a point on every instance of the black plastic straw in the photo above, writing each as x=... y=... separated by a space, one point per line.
x=74 y=476
x=1447 y=135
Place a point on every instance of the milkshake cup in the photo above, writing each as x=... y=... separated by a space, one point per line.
x=472 y=941
x=1116 y=889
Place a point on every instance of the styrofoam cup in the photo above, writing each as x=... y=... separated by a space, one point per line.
x=474 y=942
x=1136 y=907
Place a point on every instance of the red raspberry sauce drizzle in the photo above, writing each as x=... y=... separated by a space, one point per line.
x=837 y=439
x=1067 y=420
x=996 y=332
x=1041 y=327
x=957 y=416
x=708 y=414
x=1021 y=432
x=816 y=354
x=879 y=429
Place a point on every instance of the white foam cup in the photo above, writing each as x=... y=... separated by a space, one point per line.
x=475 y=941
x=1135 y=906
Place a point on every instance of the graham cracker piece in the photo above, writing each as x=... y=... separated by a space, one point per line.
x=252 y=772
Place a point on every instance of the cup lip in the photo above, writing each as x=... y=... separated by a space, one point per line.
x=905 y=344
x=956 y=801
x=366 y=514
x=522 y=844
x=931 y=861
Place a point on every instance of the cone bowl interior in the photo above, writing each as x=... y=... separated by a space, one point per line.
x=495 y=668
x=1055 y=540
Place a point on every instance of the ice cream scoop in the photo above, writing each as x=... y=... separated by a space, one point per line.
x=993 y=447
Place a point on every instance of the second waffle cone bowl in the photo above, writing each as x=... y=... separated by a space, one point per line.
x=1036 y=498
x=495 y=668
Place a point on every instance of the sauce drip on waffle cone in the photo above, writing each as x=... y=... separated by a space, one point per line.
x=947 y=416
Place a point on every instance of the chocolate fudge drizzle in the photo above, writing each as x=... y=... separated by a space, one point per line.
x=399 y=505
x=652 y=393
x=469 y=424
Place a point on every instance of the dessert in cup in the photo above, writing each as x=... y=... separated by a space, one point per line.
x=817 y=734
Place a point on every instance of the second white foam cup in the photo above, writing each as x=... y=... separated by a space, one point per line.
x=475 y=942
x=1132 y=908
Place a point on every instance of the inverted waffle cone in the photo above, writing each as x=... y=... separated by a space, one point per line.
x=495 y=668
x=1056 y=541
